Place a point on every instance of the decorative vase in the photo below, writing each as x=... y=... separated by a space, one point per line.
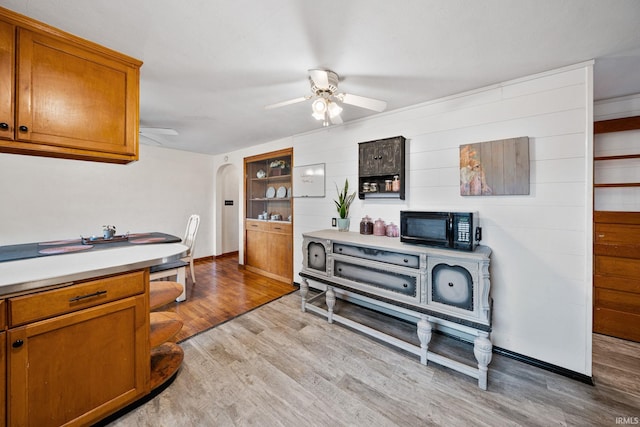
x=343 y=224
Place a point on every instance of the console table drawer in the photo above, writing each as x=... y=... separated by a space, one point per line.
x=396 y=258
x=388 y=280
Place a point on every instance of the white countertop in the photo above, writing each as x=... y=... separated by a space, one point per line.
x=26 y=274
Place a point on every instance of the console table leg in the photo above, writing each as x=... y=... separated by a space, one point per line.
x=304 y=290
x=424 y=335
x=482 y=350
x=331 y=302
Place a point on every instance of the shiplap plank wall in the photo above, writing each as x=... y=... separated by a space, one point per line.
x=540 y=281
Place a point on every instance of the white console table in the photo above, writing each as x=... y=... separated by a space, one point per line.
x=439 y=287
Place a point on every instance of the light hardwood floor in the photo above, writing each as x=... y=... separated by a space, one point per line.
x=277 y=366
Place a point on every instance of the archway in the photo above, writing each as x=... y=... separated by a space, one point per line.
x=227 y=210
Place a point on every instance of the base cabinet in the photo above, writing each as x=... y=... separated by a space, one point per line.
x=78 y=353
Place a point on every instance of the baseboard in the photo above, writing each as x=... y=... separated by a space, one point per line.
x=544 y=365
x=214 y=257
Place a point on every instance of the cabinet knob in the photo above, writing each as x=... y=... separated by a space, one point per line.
x=4 y=126
x=17 y=343
x=23 y=128
x=451 y=284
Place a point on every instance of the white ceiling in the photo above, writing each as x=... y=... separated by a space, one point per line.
x=210 y=66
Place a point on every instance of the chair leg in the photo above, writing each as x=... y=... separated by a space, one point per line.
x=193 y=273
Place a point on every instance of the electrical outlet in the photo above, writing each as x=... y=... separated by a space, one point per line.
x=334 y=222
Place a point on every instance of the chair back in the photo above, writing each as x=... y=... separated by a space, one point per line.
x=191 y=232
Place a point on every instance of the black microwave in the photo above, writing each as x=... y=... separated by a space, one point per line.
x=452 y=230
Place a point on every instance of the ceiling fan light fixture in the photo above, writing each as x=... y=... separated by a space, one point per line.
x=334 y=109
x=319 y=108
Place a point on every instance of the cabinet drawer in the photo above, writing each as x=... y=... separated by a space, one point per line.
x=395 y=258
x=257 y=225
x=280 y=227
x=387 y=280
x=42 y=305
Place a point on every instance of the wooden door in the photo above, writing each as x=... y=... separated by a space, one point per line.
x=7 y=45
x=69 y=97
x=78 y=367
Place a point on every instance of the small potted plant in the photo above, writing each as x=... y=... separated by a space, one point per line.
x=343 y=204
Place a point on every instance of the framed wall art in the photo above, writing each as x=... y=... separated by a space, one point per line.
x=495 y=168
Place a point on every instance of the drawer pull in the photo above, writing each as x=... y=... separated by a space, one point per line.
x=80 y=297
x=406 y=260
x=4 y=126
x=277 y=228
x=17 y=344
x=404 y=285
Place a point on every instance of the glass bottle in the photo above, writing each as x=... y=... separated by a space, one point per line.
x=395 y=185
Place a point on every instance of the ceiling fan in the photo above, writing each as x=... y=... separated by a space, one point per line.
x=150 y=132
x=326 y=105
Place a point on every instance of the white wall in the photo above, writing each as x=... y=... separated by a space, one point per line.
x=541 y=262
x=47 y=199
x=617 y=143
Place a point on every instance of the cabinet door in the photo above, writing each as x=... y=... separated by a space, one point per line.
x=70 y=98
x=7 y=43
x=3 y=378
x=257 y=248
x=78 y=367
x=368 y=159
x=389 y=157
x=280 y=251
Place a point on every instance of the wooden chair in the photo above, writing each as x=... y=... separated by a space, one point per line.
x=190 y=241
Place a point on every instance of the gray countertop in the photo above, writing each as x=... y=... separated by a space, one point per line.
x=34 y=273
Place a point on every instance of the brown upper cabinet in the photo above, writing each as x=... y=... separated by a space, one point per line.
x=62 y=96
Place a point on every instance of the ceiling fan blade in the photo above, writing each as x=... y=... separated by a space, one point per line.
x=363 y=102
x=148 y=138
x=320 y=78
x=158 y=131
x=283 y=103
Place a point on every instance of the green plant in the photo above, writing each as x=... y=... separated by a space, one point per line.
x=344 y=200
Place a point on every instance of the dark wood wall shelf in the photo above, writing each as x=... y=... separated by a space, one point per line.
x=380 y=163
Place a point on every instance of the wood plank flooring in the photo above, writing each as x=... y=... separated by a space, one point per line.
x=277 y=366
x=223 y=291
